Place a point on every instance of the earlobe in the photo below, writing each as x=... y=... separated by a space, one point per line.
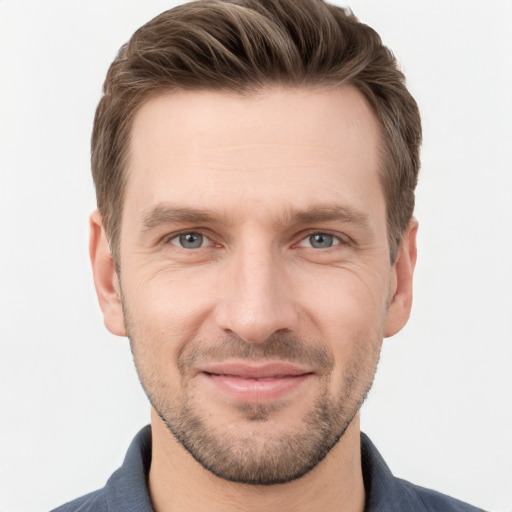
x=105 y=277
x=400 y=302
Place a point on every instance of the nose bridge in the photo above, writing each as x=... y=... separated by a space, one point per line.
x=256 y=301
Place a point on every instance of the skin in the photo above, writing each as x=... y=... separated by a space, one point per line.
x=270 y=170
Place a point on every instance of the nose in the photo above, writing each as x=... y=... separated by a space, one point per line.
x=256 y=296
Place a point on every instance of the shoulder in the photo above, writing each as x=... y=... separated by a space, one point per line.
x=92 y=502
x=386 y=493
x=126 y=490
x=433 y=501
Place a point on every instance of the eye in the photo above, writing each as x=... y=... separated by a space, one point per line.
x=320 y=241
x=190 y=240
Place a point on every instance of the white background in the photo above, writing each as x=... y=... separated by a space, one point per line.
x=441 y=409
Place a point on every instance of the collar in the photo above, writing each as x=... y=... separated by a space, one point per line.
x=127 y=490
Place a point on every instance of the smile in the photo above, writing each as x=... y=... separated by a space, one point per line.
x=256 y=383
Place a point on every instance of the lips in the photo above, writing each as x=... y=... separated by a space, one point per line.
x=257 y=382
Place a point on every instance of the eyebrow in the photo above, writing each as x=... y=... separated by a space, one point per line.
x=165 y=213
x=325 y=213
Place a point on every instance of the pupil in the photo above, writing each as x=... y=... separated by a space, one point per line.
x=191 y=240
x=321 y=240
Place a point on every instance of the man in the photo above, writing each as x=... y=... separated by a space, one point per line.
x=255 y=165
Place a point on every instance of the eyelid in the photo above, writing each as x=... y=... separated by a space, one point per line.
x=168 y=239
x=340 y=238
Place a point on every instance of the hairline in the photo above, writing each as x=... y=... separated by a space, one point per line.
x=114 y=238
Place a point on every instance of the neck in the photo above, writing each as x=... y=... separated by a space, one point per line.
x=178 y=483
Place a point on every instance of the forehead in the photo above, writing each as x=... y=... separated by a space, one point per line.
x=278 y=148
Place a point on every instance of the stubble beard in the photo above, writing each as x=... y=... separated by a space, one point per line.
x=248 y=455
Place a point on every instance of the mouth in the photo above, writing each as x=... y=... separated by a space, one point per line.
x=256 y=383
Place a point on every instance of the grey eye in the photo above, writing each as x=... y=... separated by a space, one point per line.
x=189 y=240
x=321 y=240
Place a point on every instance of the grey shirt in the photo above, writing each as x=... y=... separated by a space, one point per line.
x=127 y=491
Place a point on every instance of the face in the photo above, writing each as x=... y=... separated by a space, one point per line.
x=255 y=280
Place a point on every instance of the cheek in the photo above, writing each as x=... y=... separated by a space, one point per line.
x=165 y=309
x=347 y=313
x=345 y=301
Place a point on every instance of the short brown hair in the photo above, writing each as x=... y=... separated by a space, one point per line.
x=243 y=46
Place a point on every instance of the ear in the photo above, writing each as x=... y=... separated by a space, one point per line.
x=106 y=280
x=401 y=282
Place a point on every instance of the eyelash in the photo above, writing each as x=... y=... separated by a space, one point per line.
x=176 y=236
x=339 y=240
